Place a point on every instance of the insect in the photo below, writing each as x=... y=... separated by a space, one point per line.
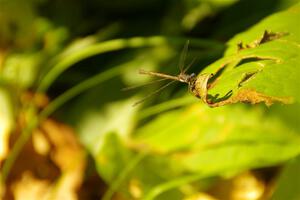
x=190 y=79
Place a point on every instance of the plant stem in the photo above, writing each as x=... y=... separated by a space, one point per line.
x=123 y=175
x=113 y=45
x=169 y=185
x=21 y=141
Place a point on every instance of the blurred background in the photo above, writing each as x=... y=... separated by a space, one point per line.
x=68 y=131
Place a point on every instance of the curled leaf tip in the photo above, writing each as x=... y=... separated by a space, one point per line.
x=200 y=86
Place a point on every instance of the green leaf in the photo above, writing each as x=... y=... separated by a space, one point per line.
x=96 y=123
x=22 y=69
x=220 y=140
x=238 y=156
x=289 y=181
x=112 y=158
x=260 y=64
x=288 y=184
x=105 y=134
x=197 y=11
x=198 y=142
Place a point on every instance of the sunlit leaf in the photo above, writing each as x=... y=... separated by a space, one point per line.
x=214 y=141
x=260 y=65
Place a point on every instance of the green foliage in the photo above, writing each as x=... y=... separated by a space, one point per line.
x=200 y=142
x=173 y=149
x=287 y=187
x=259 y=64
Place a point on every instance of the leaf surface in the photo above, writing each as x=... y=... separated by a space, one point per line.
x=260 y=64
x=220 y=140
